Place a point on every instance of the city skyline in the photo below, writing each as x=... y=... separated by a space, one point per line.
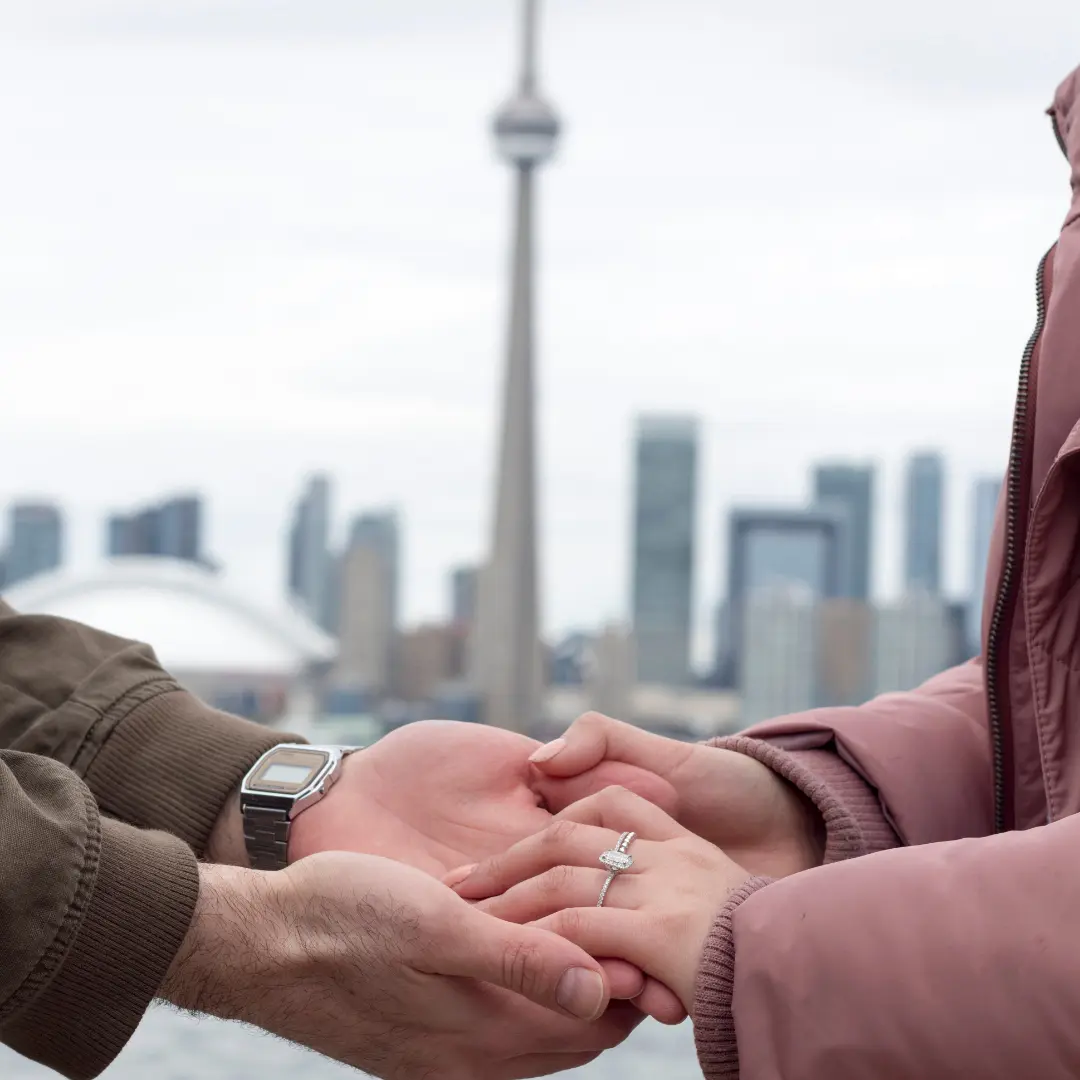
x=349 y=241
x=777 y=558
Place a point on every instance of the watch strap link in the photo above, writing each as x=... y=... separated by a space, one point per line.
x=266 y=835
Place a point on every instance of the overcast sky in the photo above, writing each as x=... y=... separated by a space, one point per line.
x=244 y=239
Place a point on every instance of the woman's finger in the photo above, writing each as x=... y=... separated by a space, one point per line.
x=626 y=981
x=608 y=931
x=620 y=810
x=555 y=889
x=657 y=1001
x=563 y=843
x=651 y=997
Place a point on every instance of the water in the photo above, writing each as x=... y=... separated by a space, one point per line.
x=169 y=1046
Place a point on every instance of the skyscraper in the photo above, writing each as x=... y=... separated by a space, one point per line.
x=171 y=529
x=780 y=661
x=983 y=510
x=915 y=639
x=849 y=489
x=380 y=531
x=35 y=541
x=364 y=624
x=774 y=550
x=367 y=620
x=463 y=595
x=665 y=504
x=508 y=658
x=923 y=498
x=310 y=572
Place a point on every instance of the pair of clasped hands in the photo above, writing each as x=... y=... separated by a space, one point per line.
x=439 y=912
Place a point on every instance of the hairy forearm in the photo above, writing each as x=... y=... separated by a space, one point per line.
x=221 y=944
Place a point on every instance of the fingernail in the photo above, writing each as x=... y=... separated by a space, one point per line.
x=547 y=751
x=581 y=993
x=456 y=877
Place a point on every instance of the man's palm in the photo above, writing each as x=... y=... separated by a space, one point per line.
x=439 y=794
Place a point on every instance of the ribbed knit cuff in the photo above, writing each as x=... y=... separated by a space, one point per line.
x=142 y=902
x=714 y=1020
x=172 y=762
x=854 y=822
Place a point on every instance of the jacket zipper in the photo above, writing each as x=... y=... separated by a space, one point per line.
x=1015 y=514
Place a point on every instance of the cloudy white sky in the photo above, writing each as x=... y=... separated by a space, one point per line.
x=244 y=239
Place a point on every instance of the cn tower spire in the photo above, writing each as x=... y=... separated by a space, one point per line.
x=508 y=652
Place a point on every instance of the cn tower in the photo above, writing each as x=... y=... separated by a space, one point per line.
x=508 y=651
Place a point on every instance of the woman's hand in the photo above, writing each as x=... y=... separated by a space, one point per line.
x=757 y=817
x=656 y=915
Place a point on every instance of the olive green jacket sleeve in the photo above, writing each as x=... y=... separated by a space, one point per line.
x=111 y=779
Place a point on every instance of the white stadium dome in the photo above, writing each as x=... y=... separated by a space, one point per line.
x=185 y=612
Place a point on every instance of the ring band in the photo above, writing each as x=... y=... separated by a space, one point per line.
x=616 y=860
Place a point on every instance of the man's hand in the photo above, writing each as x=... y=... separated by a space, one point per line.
x=437 y=794
x=759 y=820
x=382 y=967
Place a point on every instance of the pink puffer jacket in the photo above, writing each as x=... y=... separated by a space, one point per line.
x=957 y=952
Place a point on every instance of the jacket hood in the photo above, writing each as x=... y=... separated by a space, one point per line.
x=1064 y=114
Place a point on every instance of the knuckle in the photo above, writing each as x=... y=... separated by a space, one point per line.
x=559 y=834
x=615 y=796
x=556 y=881
x=568 y=923
x=522 y=967
x=593 y=719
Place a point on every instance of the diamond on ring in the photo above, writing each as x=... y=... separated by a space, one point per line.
x=617 y=860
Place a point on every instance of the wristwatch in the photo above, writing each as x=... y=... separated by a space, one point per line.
x=287 y=779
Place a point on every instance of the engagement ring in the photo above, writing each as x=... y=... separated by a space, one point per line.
x=616 y=860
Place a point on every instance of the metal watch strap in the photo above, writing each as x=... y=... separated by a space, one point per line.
x=266 y=835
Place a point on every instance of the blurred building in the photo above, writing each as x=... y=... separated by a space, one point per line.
x=380 y=532
x=845 y=630
x=773 y=549
x=915 y=639
x=365 y=603
x=569 y=659
x=463 y=595
x=428 y=658
x=923 y=523
x=310 y=565
x=259 y=662
x=35 y=541
x=849 y=490
x=665 y=510
x=365 y=626
x=984 y=502
x=780 y=652
x=171 y=529
x=611 y=670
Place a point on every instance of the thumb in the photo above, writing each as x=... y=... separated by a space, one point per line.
x=535 y=963
x=594 y=738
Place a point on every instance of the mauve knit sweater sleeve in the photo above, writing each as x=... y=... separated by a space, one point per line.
x=854 y=826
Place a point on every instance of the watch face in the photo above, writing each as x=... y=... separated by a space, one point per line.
x=288 y=772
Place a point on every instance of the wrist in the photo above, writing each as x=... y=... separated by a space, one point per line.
x=807 y=825
x=226 y=843
x=232 y=928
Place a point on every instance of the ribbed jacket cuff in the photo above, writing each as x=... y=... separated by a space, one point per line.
x=172 y=762
x=142 y=902
x=714 y=1020
x=854 y=822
